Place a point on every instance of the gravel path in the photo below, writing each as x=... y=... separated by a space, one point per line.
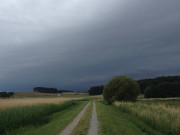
x=70 y=127
x=93 y=130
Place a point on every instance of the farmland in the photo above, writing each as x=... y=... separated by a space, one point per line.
x=33 y=98
x=50 y=114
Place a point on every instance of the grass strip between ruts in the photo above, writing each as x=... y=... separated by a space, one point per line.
x=84 y=123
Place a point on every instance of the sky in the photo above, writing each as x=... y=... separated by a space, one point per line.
x=76 y=44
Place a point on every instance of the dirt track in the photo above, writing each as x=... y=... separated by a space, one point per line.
x=70 y=127
x=93 y=130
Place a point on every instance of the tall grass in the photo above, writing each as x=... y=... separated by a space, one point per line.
x=17 y=117
x=159 y=116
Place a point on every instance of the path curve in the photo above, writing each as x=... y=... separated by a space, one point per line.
x=70 y=127
x=93 y=130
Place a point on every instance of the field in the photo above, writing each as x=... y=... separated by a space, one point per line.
x=43 y=114
x=32 y=98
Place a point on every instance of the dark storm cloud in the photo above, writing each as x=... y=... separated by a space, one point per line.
x=74 y=44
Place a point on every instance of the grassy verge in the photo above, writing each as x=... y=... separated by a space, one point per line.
x=19 y=120
x=58 y=122
x=84 y=123
x=112 y=121
x=163 y=118
x=28 y=115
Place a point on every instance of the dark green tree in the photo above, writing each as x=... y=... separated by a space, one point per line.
x=121 y=88
x=96 y=90
x=148 y=92
x=156 y=81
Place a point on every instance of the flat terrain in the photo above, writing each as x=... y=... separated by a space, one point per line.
x=144 y=117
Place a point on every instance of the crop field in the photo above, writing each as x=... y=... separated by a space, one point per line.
x=33 y=98
x=38 y=94
x=8 y=103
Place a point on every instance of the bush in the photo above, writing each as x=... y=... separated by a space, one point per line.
x=121 y=88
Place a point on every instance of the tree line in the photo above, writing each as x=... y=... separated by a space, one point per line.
x=96 y=90
x=49 y=90
x=6 y=94
x=159 y=87
x=163 y=90
x=144 y=83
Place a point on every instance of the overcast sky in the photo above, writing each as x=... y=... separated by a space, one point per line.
x=76 y=44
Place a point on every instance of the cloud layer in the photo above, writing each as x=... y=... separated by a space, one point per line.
x=74 y=44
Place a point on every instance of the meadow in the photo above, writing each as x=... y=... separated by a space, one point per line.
x=159 y=116
x=146 y=117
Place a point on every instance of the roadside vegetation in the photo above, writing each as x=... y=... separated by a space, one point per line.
x=161 y=117
x=114 y=122
x=84 y=123
x=57 y=122
x=28 y=115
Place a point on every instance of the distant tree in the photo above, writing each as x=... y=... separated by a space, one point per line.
x=10 y=94
x=121 y=88
x=6 y=94
x=148 y=92
x=96 y=90
x=163 y=90
x=61 y=91
x=45 y=90
x=144 y=83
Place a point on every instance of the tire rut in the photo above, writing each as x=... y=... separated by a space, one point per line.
x=70 y=127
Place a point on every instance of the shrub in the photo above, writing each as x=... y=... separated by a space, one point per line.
x=121 y=88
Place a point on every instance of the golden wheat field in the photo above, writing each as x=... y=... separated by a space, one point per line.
x=7 y=103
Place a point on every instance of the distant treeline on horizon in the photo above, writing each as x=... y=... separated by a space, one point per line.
x=159 y=87
x=49 y=90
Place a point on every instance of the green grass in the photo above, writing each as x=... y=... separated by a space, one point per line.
x=38 y=119
x=28 y=115
x=169 y=102
x=84 y=123
x=161 y=117
x=114 y=122
x=57 y=123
